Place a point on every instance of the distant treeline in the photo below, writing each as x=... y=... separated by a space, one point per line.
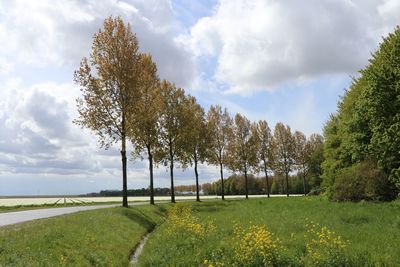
x=131 y=192
x=180 y=190
x=234 y=185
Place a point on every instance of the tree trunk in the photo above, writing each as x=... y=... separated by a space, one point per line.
x=304 y=180
x=222 y=181
x=246 y=183
x=171 y=169
x=287 y=184
x=266 y=177
x=197 y=178
x=124 y=176
x=151 y=175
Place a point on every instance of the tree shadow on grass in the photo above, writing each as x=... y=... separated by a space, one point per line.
x=355 y=219
x=161 y=211
x=140 y=218
x=211 y=206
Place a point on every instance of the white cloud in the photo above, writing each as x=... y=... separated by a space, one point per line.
x=260 y=44
x=37 y=132
x=43 y=42
x=242 y=47
x=39 y=138
x=59 y=33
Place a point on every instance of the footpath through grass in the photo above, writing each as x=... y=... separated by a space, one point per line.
x=103 y=237
x=285 y=231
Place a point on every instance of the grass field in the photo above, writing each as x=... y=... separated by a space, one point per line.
x=10 y=204
x=207 y=235
x=216 y=233
x=92 y=238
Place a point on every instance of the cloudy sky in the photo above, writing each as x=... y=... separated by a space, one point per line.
x=285 y=61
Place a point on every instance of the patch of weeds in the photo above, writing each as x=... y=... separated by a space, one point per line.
x=355 y=219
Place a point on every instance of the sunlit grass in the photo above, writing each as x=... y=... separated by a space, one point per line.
x=298 y=231
x=102 y=237
x=354 y=233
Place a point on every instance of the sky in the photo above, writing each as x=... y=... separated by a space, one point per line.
x=282 y=61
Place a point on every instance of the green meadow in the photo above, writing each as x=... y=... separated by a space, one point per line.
x=270 y=232
x=102 y=237
x=370 y=231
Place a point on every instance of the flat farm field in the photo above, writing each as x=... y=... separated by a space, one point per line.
x=28 y=201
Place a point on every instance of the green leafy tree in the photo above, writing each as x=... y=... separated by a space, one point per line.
x=315 y=161
x=145 y=125
x=242 y=148
x=109 y=85
x=367 y=125
x=304 y=152
x=219 y=124
x=302 y=156
x=381 y=101
x=172 y=127
x=195 y=137
x=284 y=151
x=265 y=149
x=332 y=152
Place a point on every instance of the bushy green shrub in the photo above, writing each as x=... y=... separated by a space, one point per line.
x=362 y=181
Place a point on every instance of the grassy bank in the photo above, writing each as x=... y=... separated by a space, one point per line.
x=218 y=233
x=102 y=237
x=280 y=231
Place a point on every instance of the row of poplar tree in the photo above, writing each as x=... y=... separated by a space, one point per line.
x=123 y=100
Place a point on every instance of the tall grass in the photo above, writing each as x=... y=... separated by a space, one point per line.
x=102 y=237
x=355 y=233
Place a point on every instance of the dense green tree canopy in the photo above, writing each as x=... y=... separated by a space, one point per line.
x=367 y=124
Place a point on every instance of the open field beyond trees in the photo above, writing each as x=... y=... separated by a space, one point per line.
x=311 y=232
x=11 y=203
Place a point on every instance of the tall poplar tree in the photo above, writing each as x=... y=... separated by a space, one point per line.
x=265 y=149
x=302 y=155
x=242 y=148
x=145 y=124
x=195 y=137
x=219 y=124
x=172 y=125
x=284 y=151
x=108 y=81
